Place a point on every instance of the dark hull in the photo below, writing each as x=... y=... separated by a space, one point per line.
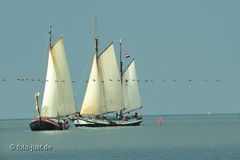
x=47 y=124
x=92 y=125
x=88 y=123
x=132 y=124
x=82 y=122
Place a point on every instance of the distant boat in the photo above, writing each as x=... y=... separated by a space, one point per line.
x=58 y=99
x=110 y=95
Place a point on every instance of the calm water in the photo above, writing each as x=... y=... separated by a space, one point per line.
x=191 y=137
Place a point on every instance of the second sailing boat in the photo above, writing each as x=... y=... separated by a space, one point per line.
x=107 y=95
x=104 y=91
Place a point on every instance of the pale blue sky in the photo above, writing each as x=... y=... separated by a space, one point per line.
x=170 y=40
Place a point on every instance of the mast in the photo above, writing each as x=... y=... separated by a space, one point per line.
x=121 y=63
x=96 y=48
x=37 y=104
x=38 y=93
x=95 y=35
x=121 y=68
x=50 y=36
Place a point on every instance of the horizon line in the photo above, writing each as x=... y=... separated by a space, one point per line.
x=171 y=114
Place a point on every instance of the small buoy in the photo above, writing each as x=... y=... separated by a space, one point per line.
x=160 y=121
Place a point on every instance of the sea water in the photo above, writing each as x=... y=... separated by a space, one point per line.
x=181 y=137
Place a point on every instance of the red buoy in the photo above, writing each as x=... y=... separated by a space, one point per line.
x=160 y=121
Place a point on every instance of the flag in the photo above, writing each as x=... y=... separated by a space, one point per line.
x=126 y=55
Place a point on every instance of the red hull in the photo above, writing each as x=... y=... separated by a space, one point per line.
x=41 y=124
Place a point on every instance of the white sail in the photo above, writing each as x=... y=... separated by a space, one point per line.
x=93 y=103
x=58 y=98
x=110 y=74
x=131 y=93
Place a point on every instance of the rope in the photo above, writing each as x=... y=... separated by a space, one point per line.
x=110 y=80
x=81 y=79
x=44 y=64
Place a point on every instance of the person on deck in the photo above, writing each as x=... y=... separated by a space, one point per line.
x=136 y=115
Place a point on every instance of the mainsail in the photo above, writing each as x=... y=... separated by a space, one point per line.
x=104 y=90
x=58 y=98
x=131 y=93
x=93 y=103
x=112 y=81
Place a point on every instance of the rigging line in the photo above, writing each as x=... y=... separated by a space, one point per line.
x=81 y=79
x=44 y=65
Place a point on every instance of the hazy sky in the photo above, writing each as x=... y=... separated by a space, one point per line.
x=170 y=40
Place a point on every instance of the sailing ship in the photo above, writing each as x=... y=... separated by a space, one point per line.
x=58 y=99
x=104 y=91
x=131 y=96
x=107 y=95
